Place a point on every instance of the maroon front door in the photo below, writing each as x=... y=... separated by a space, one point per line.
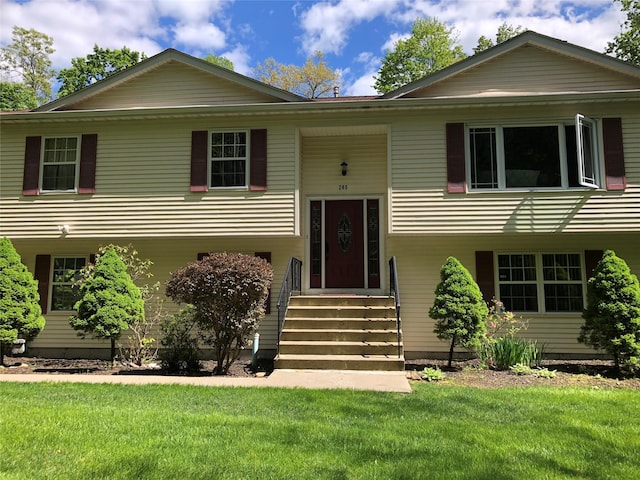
x=344 y=244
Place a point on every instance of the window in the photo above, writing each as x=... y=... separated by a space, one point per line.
x=533 y=156
x=60 y=157
x=547 y=282
x=229 y=156
x=63 y=293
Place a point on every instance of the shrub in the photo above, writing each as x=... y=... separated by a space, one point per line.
x=138 y=346
x=20 y=313
x=458 y=308
x=432 y=374
x=181 y=352
x=228 y=292
x=612 y=315
x=500 y=349
x=109 y=301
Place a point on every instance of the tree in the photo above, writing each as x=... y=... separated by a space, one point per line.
x=505 y=32
x=28 y=56
x=459 y=310
x=20 y=313
x=612 y=314
x=626 y=45
x=314 y=79
x=85 y=71
x=219 y=61
x=16 y=96
x=139 y=346
x=228 y=292
x=431 y=46
x=109 y=302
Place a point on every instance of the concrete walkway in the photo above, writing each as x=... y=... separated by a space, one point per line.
x=312 y=379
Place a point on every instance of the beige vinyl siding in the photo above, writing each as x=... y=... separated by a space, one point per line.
x=533 y=71
x=420 y=259
x=367 y=171
x=420 y=203
x=172 y=84
x=142 y=186
x=167 y=256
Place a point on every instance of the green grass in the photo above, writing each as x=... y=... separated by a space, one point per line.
x=82 y=431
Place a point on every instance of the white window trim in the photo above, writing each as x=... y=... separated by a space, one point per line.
x=585 y=181
x=540 y=282
x=247 y=159
x=52 y=283
x=500 y=157
x=77 y=164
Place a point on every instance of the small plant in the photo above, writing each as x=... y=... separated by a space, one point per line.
x=181 y=352
x=521 y=369
x=432 y=374
x=544 y=373
x=500 y=349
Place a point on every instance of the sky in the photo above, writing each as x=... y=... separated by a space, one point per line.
x=353 y=34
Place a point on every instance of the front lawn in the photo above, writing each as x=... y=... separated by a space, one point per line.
x=81 y=431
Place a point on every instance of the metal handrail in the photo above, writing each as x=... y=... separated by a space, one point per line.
x=395 y=290
x=292 y=282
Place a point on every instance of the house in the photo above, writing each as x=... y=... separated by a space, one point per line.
x=522 y=161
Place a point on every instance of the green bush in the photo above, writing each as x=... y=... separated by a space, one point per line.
x=503 y=352
x=432 y=374
x=612 y=315
x=109 y=301
x=458 y=308
x=228 y=292
x=20 y=313
x=180 y=351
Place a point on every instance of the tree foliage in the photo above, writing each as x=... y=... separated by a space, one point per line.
x=20 y=313
x=109 y=302
x=228 y=292
x=612 y=315
x=28 y=57
x=85 y=71
x=505 y=32
x=314 y=79
x=626 y=45
x=219 y=61
x=458 y=308
x=16 y=96
x=431 y=46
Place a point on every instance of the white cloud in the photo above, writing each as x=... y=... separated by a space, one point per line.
x=362 y=86
x=240 y=59
x=326 y=26
x=200 y=35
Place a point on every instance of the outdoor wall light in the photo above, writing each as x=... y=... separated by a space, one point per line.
x=344 y=166
x=64 y=229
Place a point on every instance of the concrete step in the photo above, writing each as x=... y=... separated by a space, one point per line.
x=340 y=362
x=343 y=311
x=338 y=348
x=321 y=334
x=342 y=300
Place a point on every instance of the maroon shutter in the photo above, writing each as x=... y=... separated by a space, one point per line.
x=199 y=158
x=613 y=154
x=31 y=174
x=92 y=258
x=267 y=303
x=88 y=150
x=485 y=275
x=258 y=161
x=591 y=259
x=43 y=267
x=456 y=176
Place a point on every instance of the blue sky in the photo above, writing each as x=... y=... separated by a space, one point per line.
x=353 y=34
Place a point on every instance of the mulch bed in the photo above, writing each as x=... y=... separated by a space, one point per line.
x=573 y=373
